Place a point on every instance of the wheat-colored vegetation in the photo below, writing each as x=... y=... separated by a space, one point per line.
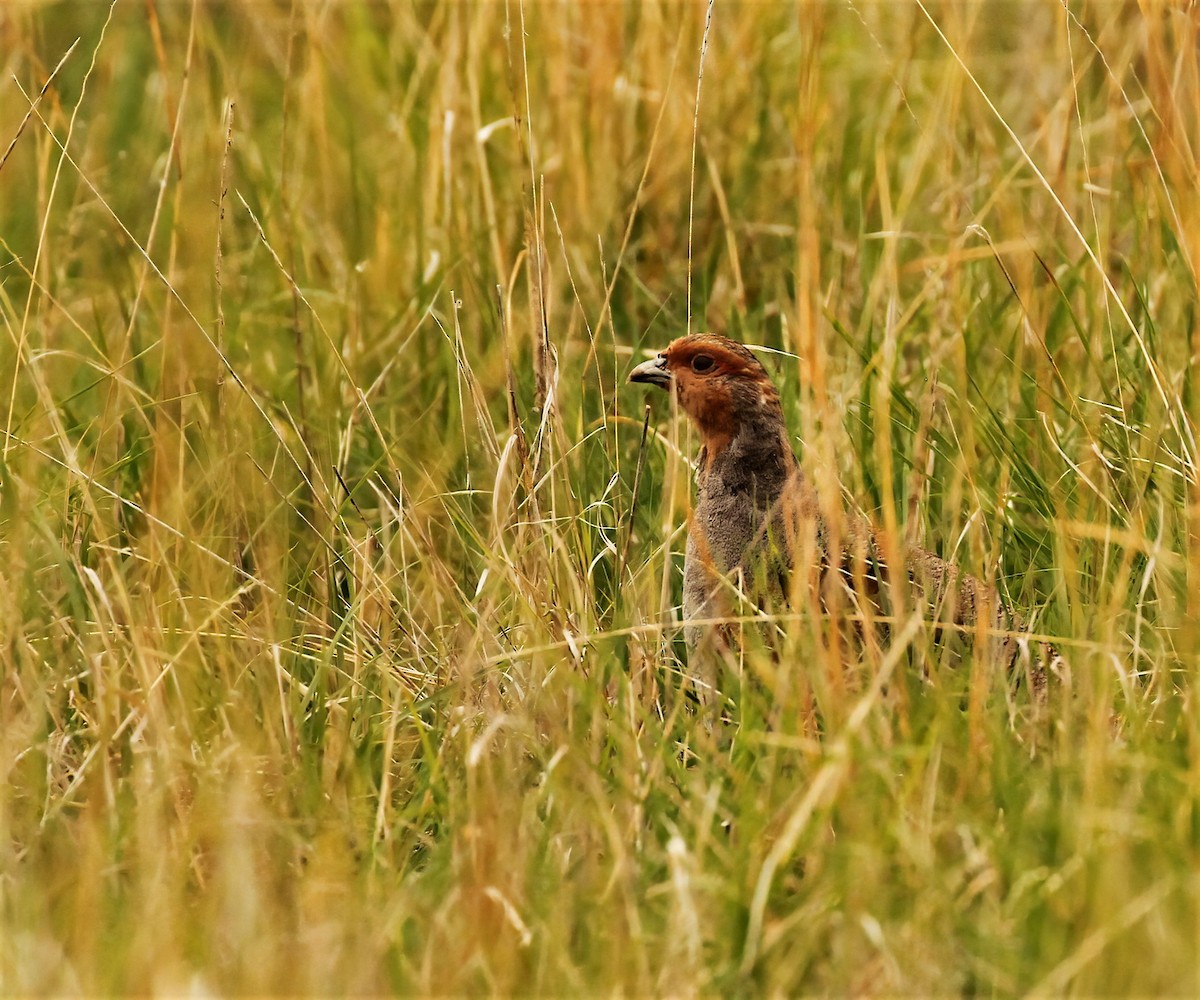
x=340 y=646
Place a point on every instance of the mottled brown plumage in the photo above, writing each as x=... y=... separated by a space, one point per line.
x=756 y=512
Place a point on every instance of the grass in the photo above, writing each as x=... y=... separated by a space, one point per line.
x=340 y=646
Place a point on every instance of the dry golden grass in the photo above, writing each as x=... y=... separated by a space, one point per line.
x=340 y=645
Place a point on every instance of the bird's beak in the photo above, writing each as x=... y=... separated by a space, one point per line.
x=653 y=371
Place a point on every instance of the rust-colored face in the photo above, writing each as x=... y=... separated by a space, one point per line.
x=715 y=380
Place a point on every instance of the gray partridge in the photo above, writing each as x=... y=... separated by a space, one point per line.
x=756 y=514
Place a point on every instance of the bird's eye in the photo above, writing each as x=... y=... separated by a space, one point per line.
x=701 y=363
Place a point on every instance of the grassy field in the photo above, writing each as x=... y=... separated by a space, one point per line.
x=340 y=645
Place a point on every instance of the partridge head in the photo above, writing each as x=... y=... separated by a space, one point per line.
x=723 y=388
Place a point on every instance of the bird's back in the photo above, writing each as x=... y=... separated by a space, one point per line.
x=757 y=516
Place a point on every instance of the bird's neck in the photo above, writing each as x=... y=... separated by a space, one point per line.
x=756 y=458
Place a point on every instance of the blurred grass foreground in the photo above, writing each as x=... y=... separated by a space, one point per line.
x=340 y=641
